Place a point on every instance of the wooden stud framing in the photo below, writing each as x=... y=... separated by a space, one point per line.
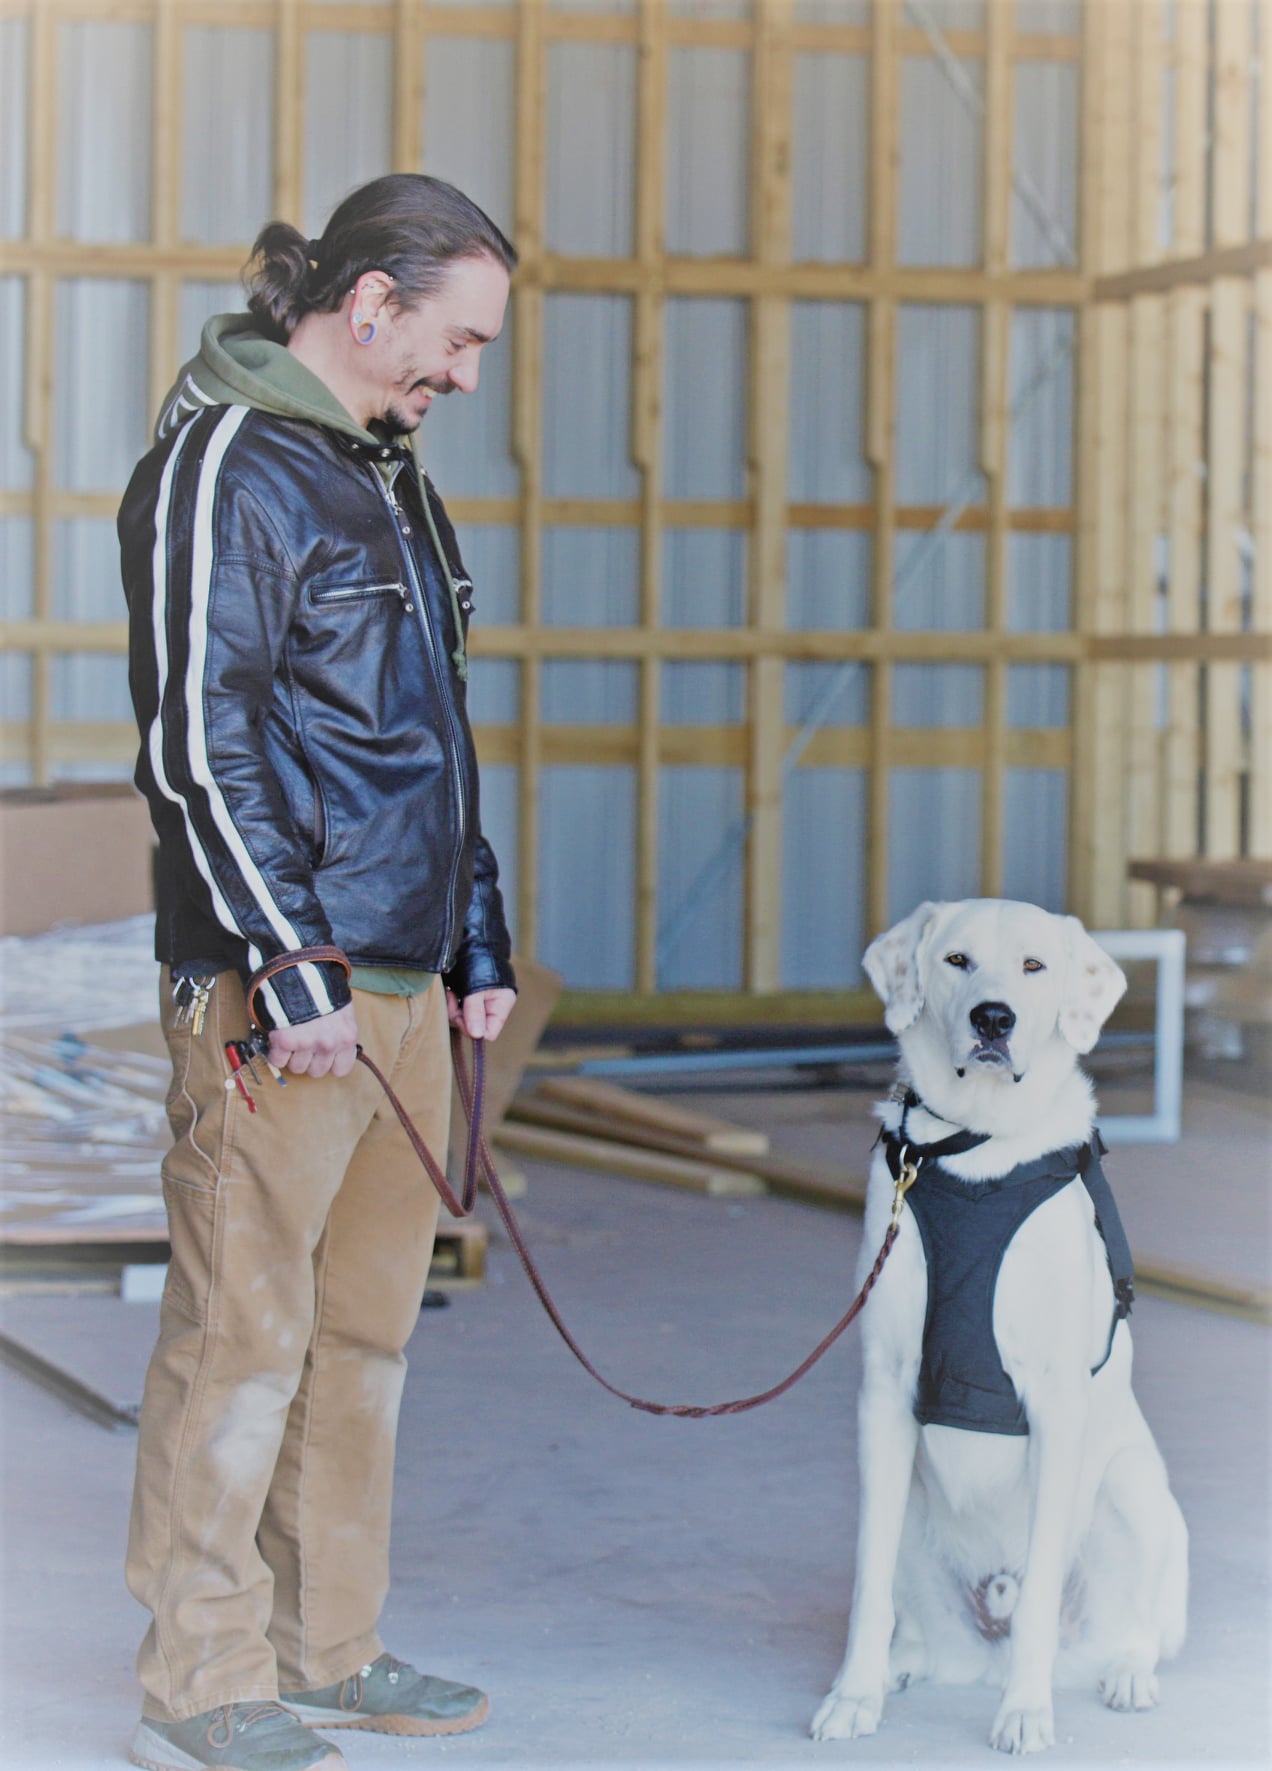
x=881 y=330
x=45 y=35
x=647 y=452
x=994 y=439
x=527 y=404
x=1226 y=379
x=408 y=86
x=1145 y=329
x=1160 y=439
x=1185 y=403
x=1260 y=795
x=1097 y=854
x=770 y=358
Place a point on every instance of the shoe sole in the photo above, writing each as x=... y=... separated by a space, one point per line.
x=154 y=1753
x=324 y=1719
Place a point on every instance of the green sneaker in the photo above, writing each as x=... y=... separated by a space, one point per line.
x=390 y=1697
x=234 y=1737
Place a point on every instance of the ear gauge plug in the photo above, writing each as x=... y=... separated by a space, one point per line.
x=363 y=329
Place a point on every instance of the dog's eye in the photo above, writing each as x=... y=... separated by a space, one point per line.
x=958 y=959
x=1034 y=965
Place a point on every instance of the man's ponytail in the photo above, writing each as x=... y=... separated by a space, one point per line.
x=277 y=279
x=411 y=227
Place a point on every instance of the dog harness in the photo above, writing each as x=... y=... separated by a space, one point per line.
x=966 y=1227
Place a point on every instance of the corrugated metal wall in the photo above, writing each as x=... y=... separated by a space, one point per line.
x=683 y=365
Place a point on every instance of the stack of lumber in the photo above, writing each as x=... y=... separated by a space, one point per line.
x=583 y=1122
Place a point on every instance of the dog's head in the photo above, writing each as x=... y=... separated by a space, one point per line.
x=985 y=988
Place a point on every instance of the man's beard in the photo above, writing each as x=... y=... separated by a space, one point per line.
x=397 y=423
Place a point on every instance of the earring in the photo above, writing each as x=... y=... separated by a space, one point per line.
x=361 y=326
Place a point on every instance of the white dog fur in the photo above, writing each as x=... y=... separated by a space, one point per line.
x=1070 y=1536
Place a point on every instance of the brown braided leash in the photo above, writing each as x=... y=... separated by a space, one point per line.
x=478 y=1163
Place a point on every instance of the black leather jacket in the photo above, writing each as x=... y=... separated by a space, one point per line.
x=297 y=667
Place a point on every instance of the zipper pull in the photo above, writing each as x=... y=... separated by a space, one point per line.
x=405 y=595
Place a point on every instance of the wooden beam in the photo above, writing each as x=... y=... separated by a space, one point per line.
x=527 y=407
x=1260 y=792
x=1244 y=260
x=647 y=453
x=408 y=86
x=682 y=1172
x=289 y=111
x=769 y=417
x=592 y=1094
x=880 y=447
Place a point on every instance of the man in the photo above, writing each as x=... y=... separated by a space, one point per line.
x=299 y=612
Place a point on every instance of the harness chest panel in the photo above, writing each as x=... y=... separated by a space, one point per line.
x=966 y=1228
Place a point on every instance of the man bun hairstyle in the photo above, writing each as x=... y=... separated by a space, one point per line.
x=406 y=224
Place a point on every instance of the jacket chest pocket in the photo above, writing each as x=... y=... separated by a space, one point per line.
x=326 y=596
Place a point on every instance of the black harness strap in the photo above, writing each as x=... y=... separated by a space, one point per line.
x=966 y=1227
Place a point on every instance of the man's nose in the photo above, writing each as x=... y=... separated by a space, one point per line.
x=992 y=1020
x=464 y=374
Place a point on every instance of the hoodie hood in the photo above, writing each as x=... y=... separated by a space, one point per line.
x=236 y=366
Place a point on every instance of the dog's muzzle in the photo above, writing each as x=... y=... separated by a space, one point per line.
x=992 y=1022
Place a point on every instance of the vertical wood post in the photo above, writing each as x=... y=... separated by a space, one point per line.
x=769 y=378
x=994 y=441
x=881 y=437
x=647 y=450
x=527 y=405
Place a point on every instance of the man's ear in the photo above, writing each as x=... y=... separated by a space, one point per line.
x=892 y=964
x=1092 y=987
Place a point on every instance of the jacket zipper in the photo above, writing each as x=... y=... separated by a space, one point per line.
x=398 y=513
x=356 y=592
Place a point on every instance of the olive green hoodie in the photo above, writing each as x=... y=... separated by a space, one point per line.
x=237 y=367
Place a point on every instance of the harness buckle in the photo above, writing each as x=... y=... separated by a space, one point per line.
x=905 y=1180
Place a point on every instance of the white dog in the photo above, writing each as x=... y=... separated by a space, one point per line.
x=1016 y=1525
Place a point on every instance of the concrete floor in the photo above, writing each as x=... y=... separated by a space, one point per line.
x=641 y=1592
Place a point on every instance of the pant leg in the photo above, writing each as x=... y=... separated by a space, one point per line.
x=325 y=1529
x=248 y=1198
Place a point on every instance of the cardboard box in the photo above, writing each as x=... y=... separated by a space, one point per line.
x=80 y=854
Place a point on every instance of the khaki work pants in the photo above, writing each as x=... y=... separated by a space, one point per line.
x=301 y=1239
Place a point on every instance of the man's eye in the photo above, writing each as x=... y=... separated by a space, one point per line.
x=1034 y=965
x=957 y=959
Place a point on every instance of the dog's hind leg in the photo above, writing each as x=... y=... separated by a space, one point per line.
x=1155 y=1593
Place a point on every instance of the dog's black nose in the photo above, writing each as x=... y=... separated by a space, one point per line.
x=992 y=1020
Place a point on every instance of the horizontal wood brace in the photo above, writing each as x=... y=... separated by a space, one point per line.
x=604 y=513
x=457 y=20
x=738 y=513
x=744 y=277
x=672 y=644
x=741 y=278
x=740 y=644
x=608 y=746
x=1180 y=648
x=1179 y=273
x=727 y=747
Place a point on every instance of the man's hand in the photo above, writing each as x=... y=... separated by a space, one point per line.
x=481 y=1015
x=329 y=1043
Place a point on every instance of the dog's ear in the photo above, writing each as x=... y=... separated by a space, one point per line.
x=1092 y=986
x=892 y=964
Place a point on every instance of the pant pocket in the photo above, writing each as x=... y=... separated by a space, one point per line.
x=192 y=1227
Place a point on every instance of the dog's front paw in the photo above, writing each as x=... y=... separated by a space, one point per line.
x=1129 y=1685
x=1020 y=1730
x=842 y=1717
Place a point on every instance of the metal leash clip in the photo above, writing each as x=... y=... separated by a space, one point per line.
x=905 y=1180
